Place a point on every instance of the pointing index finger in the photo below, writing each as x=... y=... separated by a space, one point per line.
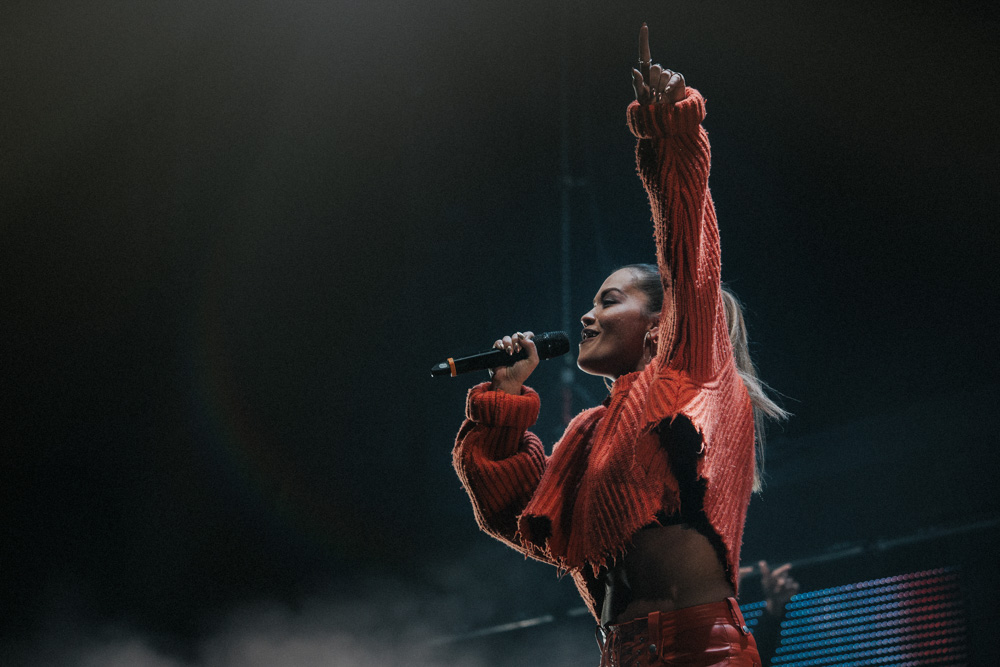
x=644 y=52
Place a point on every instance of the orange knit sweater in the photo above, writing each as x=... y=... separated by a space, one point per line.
x=609 y=475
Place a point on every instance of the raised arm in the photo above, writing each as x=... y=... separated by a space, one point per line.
x=673 y=158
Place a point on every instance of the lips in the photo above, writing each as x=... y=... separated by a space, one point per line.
x=587 y=334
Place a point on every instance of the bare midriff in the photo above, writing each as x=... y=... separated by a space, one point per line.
x=665 y=568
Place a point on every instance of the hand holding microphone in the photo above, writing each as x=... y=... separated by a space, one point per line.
x=512 y=359
x=510 y=379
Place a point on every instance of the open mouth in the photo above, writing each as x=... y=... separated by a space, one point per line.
x=587 y=334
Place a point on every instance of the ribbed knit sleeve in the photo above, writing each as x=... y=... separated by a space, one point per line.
x=673 y=158
x=498 y=460
x=695 y=374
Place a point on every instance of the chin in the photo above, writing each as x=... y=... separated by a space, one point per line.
x=586 y=362
x=588 y=366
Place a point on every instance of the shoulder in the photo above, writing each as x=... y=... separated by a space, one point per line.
x=587 y=417
x=582 y=426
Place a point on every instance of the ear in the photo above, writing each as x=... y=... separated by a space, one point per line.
x=654 y=325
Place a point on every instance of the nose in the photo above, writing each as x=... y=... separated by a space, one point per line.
x=588 y=318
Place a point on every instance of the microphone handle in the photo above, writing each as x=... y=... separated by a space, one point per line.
x=478 y=362
x=550 y=344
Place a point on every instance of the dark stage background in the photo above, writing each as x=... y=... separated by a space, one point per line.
x=236 y=235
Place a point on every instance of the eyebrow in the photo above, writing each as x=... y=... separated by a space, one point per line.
x=604 y=293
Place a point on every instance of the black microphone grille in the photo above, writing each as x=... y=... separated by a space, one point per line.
x=551 y=344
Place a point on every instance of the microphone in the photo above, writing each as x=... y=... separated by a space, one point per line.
x=549 y=345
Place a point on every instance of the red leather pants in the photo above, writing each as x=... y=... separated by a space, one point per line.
x=703 y=636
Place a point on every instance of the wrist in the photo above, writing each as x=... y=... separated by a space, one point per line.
x=513 y=388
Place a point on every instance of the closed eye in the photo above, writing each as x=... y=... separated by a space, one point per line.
x=608 y=297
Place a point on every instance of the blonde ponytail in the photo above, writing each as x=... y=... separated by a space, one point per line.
x=763 y=406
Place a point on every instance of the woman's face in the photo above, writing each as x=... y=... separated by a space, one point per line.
x=614 y=330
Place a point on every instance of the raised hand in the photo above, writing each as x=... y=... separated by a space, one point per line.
x=510 y=379
x=778 y=585
x=654 y=84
